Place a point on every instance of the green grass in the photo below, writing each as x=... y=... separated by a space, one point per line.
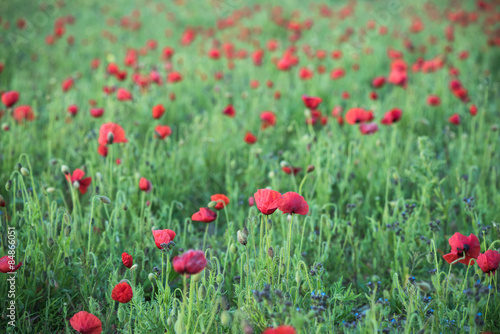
x=366 y=242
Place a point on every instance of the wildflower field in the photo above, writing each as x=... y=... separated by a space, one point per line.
x=234 y=166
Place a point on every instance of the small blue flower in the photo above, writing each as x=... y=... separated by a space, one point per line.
x=479 y=314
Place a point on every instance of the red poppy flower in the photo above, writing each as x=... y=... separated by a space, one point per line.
x=73 y=110
x=489 y=261
x=158 y=111
x=204 y=215
x=368 y=128
x=378 y=82
x=291 y=202
x=174 y=77
x=8 y=265
x=454 y=119
x=163 y=237
x=373 y=95
x=290 y=170
x=102 y=150
x=167 y=53
x=86 y=323
x=462 y=246
x=10 y=98
x=305 y=73
x=113 y=128
x=127 y=260
x=251 y=201
x=268 y=119
x=123 y=95
x=280 y=330
x=163 y=131
x=96 y=112
x=77 y=180
x=311 y=102
x=392 y=116
x=473 y=110
x=433 y=100
x=257 y=57
x=221 y=199
x=67 y=84
x=337 y=73
x=250 y=138
x=214 y=53
x=264 y=199
x=22 y=113
x=358 y=115
x=191 y=262
x=229 y=111
x=122 y=292
x=145 y=185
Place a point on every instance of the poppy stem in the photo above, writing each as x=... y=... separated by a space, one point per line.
x=90 y=223
x=488 y=301
x=248 y=274
x=191 y=299
x=289 y=253
x=205 y=236
x=141 y=222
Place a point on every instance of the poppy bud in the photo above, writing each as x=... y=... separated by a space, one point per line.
x=271 y=175
x=50 y=242
x=8 y=185
x=212 y=204
x=284 y=163
x=134 y=267
x=202 y=292
x=270 y=252
x=65 y=170
x=66 y=261
x=425 y=287
x=242 y=238
x=121 y=314
x=298 y=277
x=111 y=138
x=25 y=171
x=50 y=190
x=44 y=277
x=494 y=127
x=179 y=325
x=76 y=184
x=18 y=167
x=430 y=257
x=98 y=176
x=225 y=319
x=67 y=230
x=105 y=200
x=5 y=127
x=245 y=230
x=310 y=168
x=233 y=249
x=219 y=279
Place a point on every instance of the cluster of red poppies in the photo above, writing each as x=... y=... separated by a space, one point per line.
x=467 y=249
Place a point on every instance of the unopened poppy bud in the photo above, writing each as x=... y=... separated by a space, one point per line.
x=271 y=174
x=52 y=282
x=430 y=258
x=219 y=278
x=190 y=228
x=18 y=167
x=298 y=277
x=44 y=277
x=98 y=176
x=94 y=271
x=134 y=267
x=310 y=168
x=121 y=314
x=179 y=325
x=152 y=277
x=270 y=252
x=50 y=190
x=65 y=169
x=233 y=249
x=53 y=162
x=225 y=319
x=50 y=242
x=105 y=200
x=111 y=138
x=66 y=261
x=284 y=163
x=307 y=113
x=76 y=184
x=212 y=204
x=196 y=277
x=245 y=230
x=494 y=127
x=170 y=320
x=67 y=230
x=8 y=185
x=5 y=127
x=25 y=171
x=425 y=287
x=242 y=238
